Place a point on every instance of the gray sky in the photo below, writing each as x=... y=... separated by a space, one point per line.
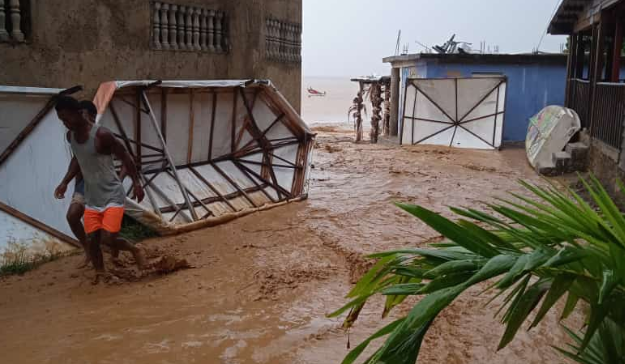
x=350 y=37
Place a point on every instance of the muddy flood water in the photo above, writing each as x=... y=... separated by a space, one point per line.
x=259 y=287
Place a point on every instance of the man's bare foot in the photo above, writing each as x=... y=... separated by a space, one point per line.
x=139 y=256
x=84 y=264
x=99 y=277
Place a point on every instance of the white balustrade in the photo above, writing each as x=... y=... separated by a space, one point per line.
x=181 y=27
x=218 y=31
x=12 y=14
x=156 y=26
x=283 y=41
x=174 y=27
x=4 y=35
x=165 y=26
x=203 y=29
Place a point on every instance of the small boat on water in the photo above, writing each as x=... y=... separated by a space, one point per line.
x=312 y=92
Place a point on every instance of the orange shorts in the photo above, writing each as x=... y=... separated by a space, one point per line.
x=109 y=220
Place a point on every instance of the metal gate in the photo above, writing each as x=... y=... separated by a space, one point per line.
x=455 y=112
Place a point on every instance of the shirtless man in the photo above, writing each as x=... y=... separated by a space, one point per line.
x=94 y=147
x=76 y=208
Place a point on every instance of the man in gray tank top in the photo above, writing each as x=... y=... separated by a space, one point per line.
x=94 y=147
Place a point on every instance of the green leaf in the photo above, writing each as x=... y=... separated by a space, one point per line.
x=451 y=230
x=609 y=282
x=569 y=307
x=406 y=289
x=354 y=354
x=454 y=266
x=559 y=287
x=495 y=266
x=526 y=304
x=446 y=281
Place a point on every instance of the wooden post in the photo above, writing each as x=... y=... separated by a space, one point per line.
x=172 y=165
x=394 y=121
x=618 y=46
x=570 y=64
x=596 y=68
x=581 y=57
x=358 y=100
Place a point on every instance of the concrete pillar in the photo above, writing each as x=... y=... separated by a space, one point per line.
x=394 y=124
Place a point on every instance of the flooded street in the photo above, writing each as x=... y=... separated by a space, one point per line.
x=260 y=286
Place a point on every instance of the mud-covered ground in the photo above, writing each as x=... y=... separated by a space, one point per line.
x=258 y=288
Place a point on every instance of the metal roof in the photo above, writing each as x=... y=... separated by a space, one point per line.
x=571 y=11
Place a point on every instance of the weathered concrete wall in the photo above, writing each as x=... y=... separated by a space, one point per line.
x=86 y=42
x=604 y=164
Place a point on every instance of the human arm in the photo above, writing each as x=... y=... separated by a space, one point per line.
x=72 y=171
x=112 y=144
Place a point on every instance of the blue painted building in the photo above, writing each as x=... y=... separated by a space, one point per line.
x=534 y=81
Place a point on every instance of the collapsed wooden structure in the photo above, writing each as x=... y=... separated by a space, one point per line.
x=207 y=152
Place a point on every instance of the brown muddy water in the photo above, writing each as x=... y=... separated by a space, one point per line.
x=260 y=286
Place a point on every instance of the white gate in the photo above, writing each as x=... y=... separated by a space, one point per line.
x=455 y=112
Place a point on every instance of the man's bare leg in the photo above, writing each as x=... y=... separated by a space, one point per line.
x=95 y=252
x=121 y=244
x=74 y=216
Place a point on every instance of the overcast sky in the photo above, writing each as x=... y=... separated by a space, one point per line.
x=350 y=37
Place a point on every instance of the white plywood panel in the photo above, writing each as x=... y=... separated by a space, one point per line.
x=30 y=175
x=441 y=91
x=178 y=117
x=203 y=111
x=149 y=134
x=472 y=90
x=464 y=139
x=20 y=237
x=425 y=129
x=16 y=112
x=222 y=134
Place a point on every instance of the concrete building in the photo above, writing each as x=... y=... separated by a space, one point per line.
x=534 y=81
x=62 y=43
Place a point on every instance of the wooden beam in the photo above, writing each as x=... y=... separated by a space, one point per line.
x=39 y=225
x=26 y=131
x=212 y=127
x=224 y=175
x=212 y=188
x=234 y=122
x=214 y=199
x=191 y=127
x=169 y=158
x=618 y=46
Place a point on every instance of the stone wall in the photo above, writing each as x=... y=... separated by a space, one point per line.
x=86 y=42
x=604 y=164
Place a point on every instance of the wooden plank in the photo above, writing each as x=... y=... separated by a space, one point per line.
x=191 y=127
x=224 y=175
x=254 y=182
x=215 y=191
x=234 y=121
x=164 y=113
x=212 y=128
x=39 y=225
x=276 y=186
x=169 y=158
x=138 y=128
x=26 y=131
x=214 y=199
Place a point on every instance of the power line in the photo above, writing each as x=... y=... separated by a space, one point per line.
x=553 y=13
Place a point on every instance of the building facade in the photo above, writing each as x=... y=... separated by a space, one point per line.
x=534 y=81
x=62 y=43
x=595 y=88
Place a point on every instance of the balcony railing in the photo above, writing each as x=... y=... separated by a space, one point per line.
x=283 y=41
x=608 y=113
x=580 y=100
x=14 y=21
x=178 y=27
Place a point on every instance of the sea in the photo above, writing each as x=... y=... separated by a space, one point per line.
x=333 y=107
